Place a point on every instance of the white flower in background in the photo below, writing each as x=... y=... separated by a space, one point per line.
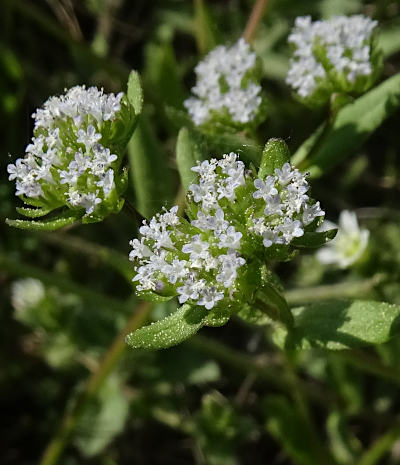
x=26 y=293
x=349 y=244
x=69 y=161
x=200 y=260
x=222 y=85
x=331 y=56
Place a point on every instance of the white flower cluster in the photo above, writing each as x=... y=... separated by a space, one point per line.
x=199 y=260
x=349 y=244
x=66 y=160
x=346 y=45
x=221 y=86
x=286 y=207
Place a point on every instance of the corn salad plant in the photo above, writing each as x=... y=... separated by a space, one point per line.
x=231 y=200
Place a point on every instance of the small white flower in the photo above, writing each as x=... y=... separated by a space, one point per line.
x=230 y=239
x=349 y=244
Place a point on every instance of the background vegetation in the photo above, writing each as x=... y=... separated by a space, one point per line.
x=69 y=387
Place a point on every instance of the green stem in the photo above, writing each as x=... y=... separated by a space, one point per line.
x=55 y=448
x=380 y=447
x=371 y=364
x=271 y=302
x=332 y=291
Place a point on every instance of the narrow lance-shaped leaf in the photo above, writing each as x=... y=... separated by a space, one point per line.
x=170 y=331
x=135 y=93
x=190 y=149
x=341 y=324
x=49 y=225
x=351 y=127
x=33 y=212
x=150 y=171
x=275 y=155
x=204 y=25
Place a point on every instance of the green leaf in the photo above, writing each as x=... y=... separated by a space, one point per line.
x=352 y=126
x=204 y=24
x=190 y=148
x=50 y=225
x=103 y=418
x=389 y=40
x=170 y=331
x=275 y=155
x=341 y=324
x=150 y=172
x=135 y=93
x=314 y=239
x=248 y=150
x=33 y=212
x=287 y=427
x=161 y=73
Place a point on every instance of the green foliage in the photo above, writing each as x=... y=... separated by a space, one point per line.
x=190 y=148
x=151 y=176
x=227 y=395
x=104 y=418
x=275 y=155
x=172 y=330
x=341 y=325
x=287 y=426
x=351 y=127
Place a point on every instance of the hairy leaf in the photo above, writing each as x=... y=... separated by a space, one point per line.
x=275 y=155
x=135 y=93
x=170 y=331
x=190 y=148
x=33 y=212
x=50 y=225
x=341 y=324
x=351 y=127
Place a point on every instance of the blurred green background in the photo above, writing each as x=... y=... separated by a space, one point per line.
x=227 y=396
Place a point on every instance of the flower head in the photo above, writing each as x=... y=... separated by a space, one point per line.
x=75 y=155
x=337 y=55
x=235 y=220
x=349 y=244
x=226 y=89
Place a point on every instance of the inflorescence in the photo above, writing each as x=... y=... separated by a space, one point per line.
x=235 y=218
x=332 y=56
x=69 y=161
x=226 y=84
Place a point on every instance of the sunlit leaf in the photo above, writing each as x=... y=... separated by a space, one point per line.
x=172 y=330
x=341 y=324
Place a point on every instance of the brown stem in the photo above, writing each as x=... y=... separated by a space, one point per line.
x=254 y=20
x=57 y=445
